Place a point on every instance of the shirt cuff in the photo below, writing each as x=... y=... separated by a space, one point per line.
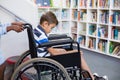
x=5 y=27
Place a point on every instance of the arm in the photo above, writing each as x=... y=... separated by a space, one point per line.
x=15 y=26
x=59 y=51
x=2 y=30
x=55 y=51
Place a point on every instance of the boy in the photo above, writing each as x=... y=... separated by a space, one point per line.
x=47 y=22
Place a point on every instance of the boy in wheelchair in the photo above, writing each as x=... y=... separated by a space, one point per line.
x=47 y=22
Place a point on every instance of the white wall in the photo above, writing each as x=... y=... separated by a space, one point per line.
x=12 y=43
x=16 y=43
x=22 y=8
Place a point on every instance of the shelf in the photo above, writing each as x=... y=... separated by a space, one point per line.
x=99 y=52
x=103 y=38
x=100 y=15
x=90 y=23
x=113 y=40
x=117 y=9
x=103 y=8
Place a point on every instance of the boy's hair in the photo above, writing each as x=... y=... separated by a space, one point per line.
x=49 y=17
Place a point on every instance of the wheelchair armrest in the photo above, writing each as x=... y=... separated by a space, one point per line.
x=57 y=36
x=53 y=43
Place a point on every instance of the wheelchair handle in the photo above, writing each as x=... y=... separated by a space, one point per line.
x=27 y=25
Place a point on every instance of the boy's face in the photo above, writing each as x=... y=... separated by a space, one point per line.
x=48 y=27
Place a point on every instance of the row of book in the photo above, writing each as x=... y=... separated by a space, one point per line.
x=65 y=14
x=57 y=3
x=116 y=3
x=114 y=48
x=104 y=3
x=115 y=33
x=74 y=4
x=74 y=36
x=92 y=3
x=43 y=3
x=115 y=18
x=82 y=15
x=103 y=31
x=83 y=3
x=74 y=27
x=102 y=45
x=92 y=43
x=92 y=30
x=74 y=14
x=93 y=16
x=81 y=40
x=104 y=17
x=61 y=28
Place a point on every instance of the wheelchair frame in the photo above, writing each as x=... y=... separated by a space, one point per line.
x=55 y=59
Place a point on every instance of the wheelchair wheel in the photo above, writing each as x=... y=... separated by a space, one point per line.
x=40 y=69
x=21 y=58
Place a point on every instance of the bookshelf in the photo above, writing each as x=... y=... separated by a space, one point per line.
x=95 y=24
x=98 y=26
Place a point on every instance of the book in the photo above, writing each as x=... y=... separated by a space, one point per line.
x=111 y=47
x=43 y=3
x=83 y=15
x=74 y=14
x=90 y=43
x=56 y=3
x=116 y=50
x=92 y=30
x=116 y=34
x=65 y=3
x=100 y=45
x=78 y=15
x=112 y=32
x=83 y=3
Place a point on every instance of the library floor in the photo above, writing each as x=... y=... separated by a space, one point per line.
x=103 y=65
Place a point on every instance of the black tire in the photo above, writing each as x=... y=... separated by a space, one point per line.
x=21 y=58
x=46 y=67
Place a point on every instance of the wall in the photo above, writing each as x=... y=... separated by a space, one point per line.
x=16 y=43
x=22 y=8
x=12 y=43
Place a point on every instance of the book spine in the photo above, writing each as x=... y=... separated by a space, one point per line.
x=116 y=34
x=51 y=3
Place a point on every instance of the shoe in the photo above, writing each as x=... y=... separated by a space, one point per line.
x=97 y=77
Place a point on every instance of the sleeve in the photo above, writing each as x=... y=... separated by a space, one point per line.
x=40 y=37
x=3 y=28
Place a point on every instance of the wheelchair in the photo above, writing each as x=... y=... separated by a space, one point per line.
x=59 y=67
